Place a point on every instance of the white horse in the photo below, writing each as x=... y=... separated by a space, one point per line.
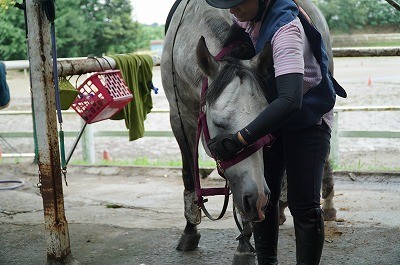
x=196 y=32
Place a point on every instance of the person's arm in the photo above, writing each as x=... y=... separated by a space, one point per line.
x=289 y=69
x=290 y=94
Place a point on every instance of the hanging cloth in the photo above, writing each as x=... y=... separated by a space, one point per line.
x=137 y=72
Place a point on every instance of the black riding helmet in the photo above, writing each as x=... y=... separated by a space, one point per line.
x=224 y=4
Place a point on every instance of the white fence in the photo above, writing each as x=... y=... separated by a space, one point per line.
x=72 y=66
x=337 y=132
x=89 y=147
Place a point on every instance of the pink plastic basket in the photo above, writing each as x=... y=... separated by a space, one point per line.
x=101 y=96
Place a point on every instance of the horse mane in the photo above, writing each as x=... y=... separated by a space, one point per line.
x=233 y=66
x=244 y=51
x=231 y=69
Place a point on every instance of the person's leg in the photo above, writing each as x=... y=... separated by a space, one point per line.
x=310 y=236
x=266 y=232
x=305 y=156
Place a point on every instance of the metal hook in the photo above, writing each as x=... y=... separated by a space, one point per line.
x=76 y=81
x=107 y=61
x=62 y=70
x=101 y=66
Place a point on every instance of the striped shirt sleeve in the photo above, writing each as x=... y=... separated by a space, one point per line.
x=287 y=47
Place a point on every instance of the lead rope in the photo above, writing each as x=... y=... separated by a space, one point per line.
x=49 y=9
x=244 y=234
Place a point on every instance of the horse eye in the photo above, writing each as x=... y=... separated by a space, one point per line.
x=220 y=125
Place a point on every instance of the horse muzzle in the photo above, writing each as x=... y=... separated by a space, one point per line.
x=254 y=205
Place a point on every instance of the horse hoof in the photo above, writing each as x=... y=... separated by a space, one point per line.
x=188 y=242
x=330 y=214
x=241 y=258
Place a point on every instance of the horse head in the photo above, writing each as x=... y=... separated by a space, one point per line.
x=236 y=95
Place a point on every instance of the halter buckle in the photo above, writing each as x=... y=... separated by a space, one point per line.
x=220 y=168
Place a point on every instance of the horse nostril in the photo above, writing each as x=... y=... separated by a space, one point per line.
x=264 y=208
x=246 y=204
x=267 y=192
x=249 y=202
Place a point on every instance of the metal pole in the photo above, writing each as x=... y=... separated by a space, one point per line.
x=43 y=94
x=77 y=66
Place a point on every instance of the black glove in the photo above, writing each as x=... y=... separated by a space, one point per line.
x=225 y=146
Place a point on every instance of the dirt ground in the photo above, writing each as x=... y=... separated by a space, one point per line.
x=355 y=153
x=146 y=220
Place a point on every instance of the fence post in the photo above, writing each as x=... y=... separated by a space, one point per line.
x=88 y=151
x=43 y=96
x=334 y=151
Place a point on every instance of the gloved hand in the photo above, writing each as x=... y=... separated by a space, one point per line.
x=225 y=146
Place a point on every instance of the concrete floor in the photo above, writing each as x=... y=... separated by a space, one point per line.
x=147 y=222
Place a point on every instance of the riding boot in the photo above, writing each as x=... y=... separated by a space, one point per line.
x=266 y=237
x=309 y=231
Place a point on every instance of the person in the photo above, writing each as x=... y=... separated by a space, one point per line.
x=301 y=95
x=4 y=89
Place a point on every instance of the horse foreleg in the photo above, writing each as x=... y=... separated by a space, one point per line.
x=245 y=253
x=283 y=200
x=190 y=237
x=282 y=207
x=328 y=192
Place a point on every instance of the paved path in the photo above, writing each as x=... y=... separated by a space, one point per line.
x=148 y=222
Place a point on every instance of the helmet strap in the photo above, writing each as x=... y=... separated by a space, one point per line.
x=262 y=6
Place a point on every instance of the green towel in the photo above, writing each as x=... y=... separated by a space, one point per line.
x=137 y=72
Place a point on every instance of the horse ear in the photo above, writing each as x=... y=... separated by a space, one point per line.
x=263 y=61
x=208 y=64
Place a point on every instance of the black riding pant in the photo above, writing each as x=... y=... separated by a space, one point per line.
x=302 y=154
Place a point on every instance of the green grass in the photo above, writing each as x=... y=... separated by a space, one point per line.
x=113 y=206
x=366 y=44
x=363 y=167
x=143 y=161
x=358 y=166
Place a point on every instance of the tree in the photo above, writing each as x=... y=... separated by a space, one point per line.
x=355 y=15
x=5 y=4
x=147 y=33
x=343 y=15
x=380 y=13
x=96 y=27
x=74 y=32
x=83 y=27
x=12 y=32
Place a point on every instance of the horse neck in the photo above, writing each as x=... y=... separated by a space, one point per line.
x=214 y=24
x=200 y=19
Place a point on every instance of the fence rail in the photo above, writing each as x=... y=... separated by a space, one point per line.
x=337 y=133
